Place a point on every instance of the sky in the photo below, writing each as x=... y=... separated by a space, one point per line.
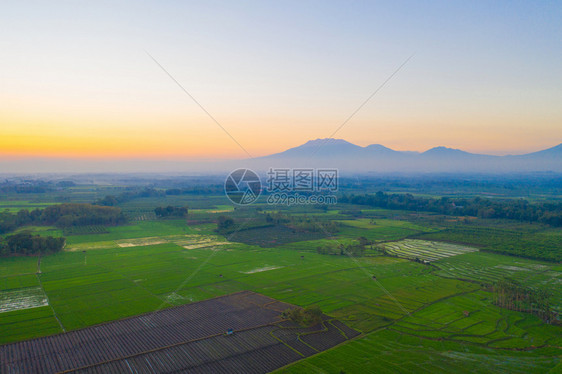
x=77 y=81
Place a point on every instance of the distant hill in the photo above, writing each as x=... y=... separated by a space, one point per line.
x=339 y=153
x=321 y=148
x=319 y=153
x=446 y=152
x=554 y=152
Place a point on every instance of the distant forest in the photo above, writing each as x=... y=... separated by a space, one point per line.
x=171 y=211
x=63 y=216
x=549 y=213
x=113 y=200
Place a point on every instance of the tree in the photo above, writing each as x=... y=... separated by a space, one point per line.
x=510 y=294
x=171 y=211
x=363 y=241
x=224 y=223
x=27 y=244
x=309 y=316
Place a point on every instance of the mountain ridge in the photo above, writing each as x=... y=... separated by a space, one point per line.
x=345 y=155
x=333 y=142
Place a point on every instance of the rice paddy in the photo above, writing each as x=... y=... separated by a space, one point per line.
x=412 y=317
x=22 y=298
x=425 y=250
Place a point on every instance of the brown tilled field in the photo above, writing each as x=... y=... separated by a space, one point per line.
x=189 y=338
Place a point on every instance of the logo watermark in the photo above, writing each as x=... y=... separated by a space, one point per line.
x=284 y=186
x=282 y=198
x=242 y=186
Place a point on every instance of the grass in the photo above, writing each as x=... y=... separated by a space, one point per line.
x=137 y=230
x=106 y=284
x=272 y=236
x=10 y=266
x=483 y=323
x=39 y=230
x=442 y=338
x=518 y=239
x=490 y=267
x=412 y=316
x=15 y=326
x=18 y=281
x=13 y=206
x=379 y=229
x=85 y=230
x=389 y=351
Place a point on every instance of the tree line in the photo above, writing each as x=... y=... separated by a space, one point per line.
x=302 y=223
x=510 y=294
x=517 y=209
x=171 y=211
x=113 y=200
x=523 y=243
x=356 y=249
x=135 y=193
x=28 y=244
x=63 y=216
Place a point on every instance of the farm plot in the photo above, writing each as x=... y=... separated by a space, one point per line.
x=272 y=236
x=389 y=351
x=18 y=281
x=379 y=229
x=23 y=298
x=85 y=230
x=259 y=270
x=425 y=250
x=16 y=326
x=140 y=214
x=490 y=267
x=472 y=318
x=199 y=241
x=140 y=229
x=186 y=241
x=107 y=284
x=186 y=338
x=17 y=266
x=14 y=206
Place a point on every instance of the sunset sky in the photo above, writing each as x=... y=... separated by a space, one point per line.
x=76 y=81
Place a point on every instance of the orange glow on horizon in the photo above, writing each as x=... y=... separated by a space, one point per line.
x=196 y=138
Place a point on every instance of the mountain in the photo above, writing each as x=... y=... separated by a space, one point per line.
x=381 y=150
x=555 y=152
x=330 y=147
x=320 y=147
x=446 y=152
x=349 y=157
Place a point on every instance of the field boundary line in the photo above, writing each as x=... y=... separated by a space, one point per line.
x=430 y=304
x=340 y=330
x=285 y=344
x=49 y=303
x=360 y=336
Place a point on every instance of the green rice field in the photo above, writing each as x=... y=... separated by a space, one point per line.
x=425 y=250
x=413 y=317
